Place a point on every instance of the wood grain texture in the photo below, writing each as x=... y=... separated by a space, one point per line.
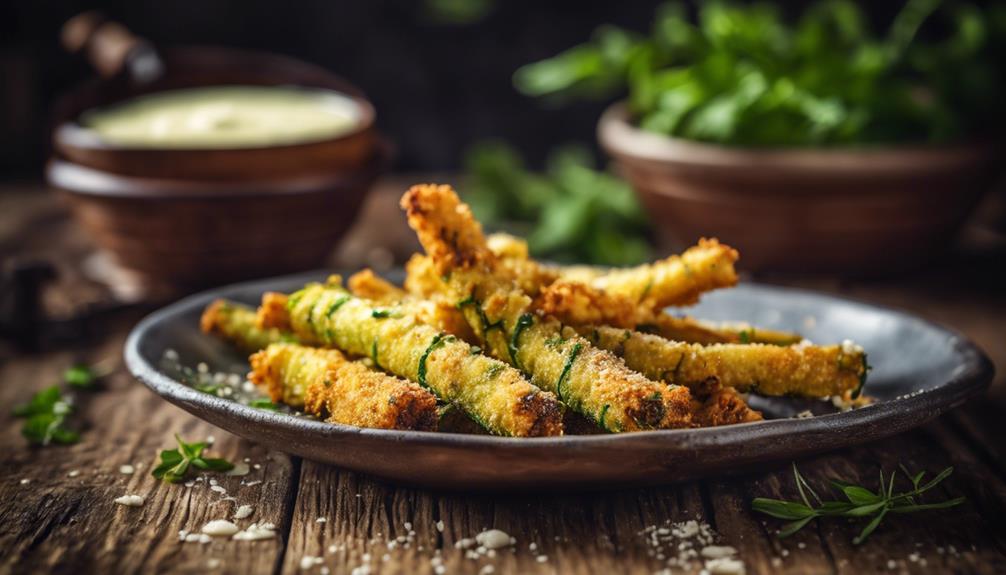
x=63 y=524
x=56 y=523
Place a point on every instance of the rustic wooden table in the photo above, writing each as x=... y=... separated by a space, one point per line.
x=57 y=511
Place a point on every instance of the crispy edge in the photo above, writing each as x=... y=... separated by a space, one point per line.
x=446 y=227
x=368 y=285
x=676 y=280
x=273 y=312
x=412 y=408
x=574 y=303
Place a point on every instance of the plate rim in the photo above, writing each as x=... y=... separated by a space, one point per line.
x=977 y=376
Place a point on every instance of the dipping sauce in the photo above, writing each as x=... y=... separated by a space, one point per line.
x=225 y=117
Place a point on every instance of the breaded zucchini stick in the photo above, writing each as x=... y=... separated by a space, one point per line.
x=435 y=312
x=803 y=370
x=567 y=293
x=697 y=331
x=492 y=393
x=236 y=324
x=328 y=385
x=589 y=380
x=675 y=281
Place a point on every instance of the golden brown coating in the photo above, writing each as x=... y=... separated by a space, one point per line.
x=436 y=312
x=272 y=313
x=591 y=381
x=575 y=303
x=803 y=369
x=675 y=281
x=328 y=385
x=237 y=324
x=697 y=331
x=492 y=393
x=368 y=285
x=724 y=406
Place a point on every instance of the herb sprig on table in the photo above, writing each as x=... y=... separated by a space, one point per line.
x=742 y=75
x=176 y=463
x=570 y=212
x=46 y=414
x=860 y=502
x=45 y=418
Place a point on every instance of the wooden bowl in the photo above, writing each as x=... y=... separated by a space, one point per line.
x=188 y=67
x=843 y=210
x=191 y=233
x=197 y=217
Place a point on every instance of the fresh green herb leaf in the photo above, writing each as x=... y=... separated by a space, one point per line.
x=384 y=313
x=571 y=212
x=46 y=415
x=209 y=388
x=80 y=376
x=743 y=75
x=862 y=502
x=175 y=463
x=263 y=403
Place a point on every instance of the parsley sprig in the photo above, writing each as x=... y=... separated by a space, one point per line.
x=45 y=416
x=861 y=503
x=176 y=463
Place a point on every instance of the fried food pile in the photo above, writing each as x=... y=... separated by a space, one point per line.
x=483 y=337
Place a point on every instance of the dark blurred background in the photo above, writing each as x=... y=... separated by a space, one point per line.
x=438 y=71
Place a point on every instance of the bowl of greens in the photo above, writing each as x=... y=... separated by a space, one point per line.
x=867 y=150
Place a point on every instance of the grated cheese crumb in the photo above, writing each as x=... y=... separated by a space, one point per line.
x=494 y=539
x=240 y=469
x=309 y=561
x=220 y=528
x=725 y=566
x=256 y=532
x=131 y=500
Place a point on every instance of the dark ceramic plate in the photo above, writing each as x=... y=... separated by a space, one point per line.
x=919 y=371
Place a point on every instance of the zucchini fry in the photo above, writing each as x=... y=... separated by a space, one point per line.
x=675 y=281
x=236 y=324
x=697 y=331
x=802 y=370
x=589 y=380
x=437 y=312
x=329 y=386
x=492 y=393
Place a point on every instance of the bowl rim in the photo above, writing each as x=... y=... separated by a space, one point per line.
x=70 y=133
x=79 y=180
x=621 y=139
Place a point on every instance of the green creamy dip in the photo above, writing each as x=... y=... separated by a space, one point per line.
x=225 y=117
